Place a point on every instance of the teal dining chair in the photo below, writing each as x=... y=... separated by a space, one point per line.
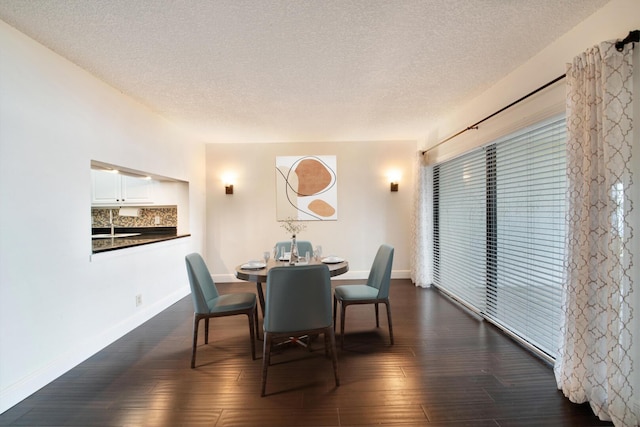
x=375 y=291
x=298 y=303
x=304 y=246
x=209 y=303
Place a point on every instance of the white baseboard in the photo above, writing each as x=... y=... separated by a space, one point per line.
x=17 y=392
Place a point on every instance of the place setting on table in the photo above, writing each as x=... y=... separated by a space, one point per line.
x=257 y=270
x=282 y=257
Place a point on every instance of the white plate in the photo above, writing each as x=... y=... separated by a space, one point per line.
x=253 y=266
x=332 y=260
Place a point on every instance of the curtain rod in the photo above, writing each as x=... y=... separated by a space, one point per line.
x=475 y=125
x=634 y=36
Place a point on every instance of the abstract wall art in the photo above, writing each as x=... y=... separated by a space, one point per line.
x=306 y=188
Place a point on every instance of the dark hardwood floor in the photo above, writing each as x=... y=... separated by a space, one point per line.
x=445 y=369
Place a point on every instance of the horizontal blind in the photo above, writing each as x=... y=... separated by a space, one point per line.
x=525 y=294
x=460 y=246
x=499 y=216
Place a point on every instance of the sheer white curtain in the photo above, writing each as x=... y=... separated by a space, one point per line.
x=594 y=362
x=422 y=225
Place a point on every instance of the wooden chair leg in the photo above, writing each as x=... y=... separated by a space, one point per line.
x=266 y=359
x=335 y=310
x=255 y=317
x=326 y=344
x=196 y=320
x=250 y=315
x=389 y=319
x=342 y=313
x=206 y=330
x=334 y=357
x=377 y=316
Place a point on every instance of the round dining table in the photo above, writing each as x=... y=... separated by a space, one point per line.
x=259 y=276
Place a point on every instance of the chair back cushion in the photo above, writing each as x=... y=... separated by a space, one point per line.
x=380 y=274
x=203 y=288
x=298 y=298
x=303 y=247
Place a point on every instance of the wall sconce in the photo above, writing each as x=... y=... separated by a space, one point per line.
x=228 y=180
x=394 y=178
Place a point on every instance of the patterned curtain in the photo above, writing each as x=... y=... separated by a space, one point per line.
x=594 y=362
x=422 y=226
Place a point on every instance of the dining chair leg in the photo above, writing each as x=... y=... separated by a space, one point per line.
x=266 y=358
x=335 y=309
x=255 y=317
x=326 y=344
x=389 y=319
x=206 y=330
x=260 y=296
x=334 y=357
x=196 y=320
x=377 y=316
x=252 y=336
x=342 y=313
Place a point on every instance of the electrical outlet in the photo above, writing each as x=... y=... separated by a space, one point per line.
x=157 y=219
x=138 y=300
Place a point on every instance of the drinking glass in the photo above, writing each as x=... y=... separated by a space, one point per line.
x=307 y=257
x=281 y=257
x=266 y=255
x=318 y=252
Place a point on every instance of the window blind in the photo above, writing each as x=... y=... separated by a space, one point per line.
x=530 y=210
x=459 y=258
x=499 y=230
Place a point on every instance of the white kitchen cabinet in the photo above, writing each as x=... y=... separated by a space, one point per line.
x=114 y=189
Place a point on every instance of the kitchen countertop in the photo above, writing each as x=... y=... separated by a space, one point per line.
x=147 y=235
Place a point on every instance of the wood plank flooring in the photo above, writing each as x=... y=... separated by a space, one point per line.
x=445 y=369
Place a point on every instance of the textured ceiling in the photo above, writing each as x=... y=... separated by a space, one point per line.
x=295 y=70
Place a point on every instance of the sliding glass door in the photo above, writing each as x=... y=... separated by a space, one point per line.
x=460 y=232
x=499 y=228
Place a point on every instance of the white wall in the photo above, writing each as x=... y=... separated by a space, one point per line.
x=614 y=21
x=243 y=225
x=59 y=305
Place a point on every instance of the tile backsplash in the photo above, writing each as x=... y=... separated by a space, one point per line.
x=167 y=217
